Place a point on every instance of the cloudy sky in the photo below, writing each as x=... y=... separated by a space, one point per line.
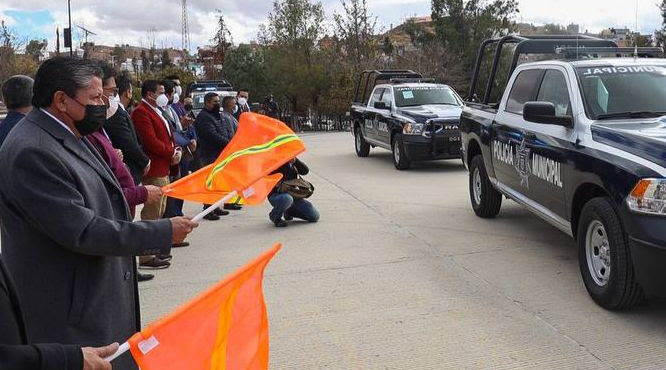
x=131 y=21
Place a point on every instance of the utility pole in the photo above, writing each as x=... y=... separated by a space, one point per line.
x=185 y=31
x=69 y=14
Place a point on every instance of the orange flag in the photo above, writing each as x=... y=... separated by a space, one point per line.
x=192 y=188
x=260 y=146
x=225 y=327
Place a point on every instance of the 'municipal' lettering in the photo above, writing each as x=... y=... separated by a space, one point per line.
x=547 y=169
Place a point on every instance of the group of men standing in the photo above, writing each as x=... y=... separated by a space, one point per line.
x=80 y=163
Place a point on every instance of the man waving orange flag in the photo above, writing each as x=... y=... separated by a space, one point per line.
x=225 y=327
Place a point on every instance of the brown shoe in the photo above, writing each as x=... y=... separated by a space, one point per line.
x=154 y=264
x=180 y=245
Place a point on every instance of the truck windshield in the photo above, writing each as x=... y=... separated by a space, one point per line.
x=612 y=92
x=424 y=95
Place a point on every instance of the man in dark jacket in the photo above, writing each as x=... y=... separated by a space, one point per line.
x=16 y=352
x=120 y=129
x=213 y=135
x=17 y=95
x=67 y=236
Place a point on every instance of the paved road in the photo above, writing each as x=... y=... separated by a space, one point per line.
x=400 y=274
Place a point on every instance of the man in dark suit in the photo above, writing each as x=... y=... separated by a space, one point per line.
x=214 y=135
x=67 y=236
x=17 y=95
x=120 y=129
x=16 y=351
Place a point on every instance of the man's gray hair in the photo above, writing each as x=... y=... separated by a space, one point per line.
x=17 y=92
x=65 y=74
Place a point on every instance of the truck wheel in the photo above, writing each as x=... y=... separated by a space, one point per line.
x=362 y=146
x=486 y=201
x=400 y=159
x=604 y=259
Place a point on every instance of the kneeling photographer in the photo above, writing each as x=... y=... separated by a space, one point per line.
x=288 y=196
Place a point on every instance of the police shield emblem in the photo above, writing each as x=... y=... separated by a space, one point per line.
x=522 y=163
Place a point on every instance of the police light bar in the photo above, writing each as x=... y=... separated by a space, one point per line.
x=604 y=52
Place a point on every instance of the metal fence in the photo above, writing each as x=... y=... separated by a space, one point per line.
x=305 y=123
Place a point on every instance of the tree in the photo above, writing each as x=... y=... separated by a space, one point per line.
x=296 y=67
x=119 y=54
x=461 y=25
x=660 y=34
x=355 y=28
x=35 y=48
x=221 y=42
x=553 y=29
x=296 y=24
x=246 y=68
x=12 y=63
x=166 y=59
x=145 y=62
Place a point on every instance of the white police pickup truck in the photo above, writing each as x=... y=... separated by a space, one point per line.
x=580 y=140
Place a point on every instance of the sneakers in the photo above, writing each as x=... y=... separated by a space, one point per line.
x=233 y=207
x=180 y=245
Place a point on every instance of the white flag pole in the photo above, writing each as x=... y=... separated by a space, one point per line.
x=122 y=349
x=217 y=204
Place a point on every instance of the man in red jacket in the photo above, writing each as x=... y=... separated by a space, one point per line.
x=155 y=135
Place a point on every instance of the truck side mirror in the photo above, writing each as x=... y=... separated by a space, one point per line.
x=544 y=112
x=380 y=105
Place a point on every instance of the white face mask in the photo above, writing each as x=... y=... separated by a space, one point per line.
x=162 y=101
x=176 y=98
x=242 y=101
x=179 y=90
x=114 y=99
x=113 y=107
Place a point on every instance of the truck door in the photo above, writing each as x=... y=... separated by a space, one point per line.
x=533 y=165
x=508 y=135
x=548 y=145
x=370 y=123
x=384 y=118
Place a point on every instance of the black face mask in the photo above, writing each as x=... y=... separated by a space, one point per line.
x=92 y=120
x=188 y=107
x=215 y=109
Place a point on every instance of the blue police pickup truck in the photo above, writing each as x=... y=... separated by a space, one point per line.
x=401 y=111
x=575 y=130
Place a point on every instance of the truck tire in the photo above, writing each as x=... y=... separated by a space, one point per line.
x=362 y=146
x=604 y=257
x=400 y=159
x=486 y=201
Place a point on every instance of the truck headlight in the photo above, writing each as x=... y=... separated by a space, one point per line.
x=413 y=129
x=648 y=196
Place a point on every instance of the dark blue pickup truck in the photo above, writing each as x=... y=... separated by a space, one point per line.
x=413 y=117
x=576 y=132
